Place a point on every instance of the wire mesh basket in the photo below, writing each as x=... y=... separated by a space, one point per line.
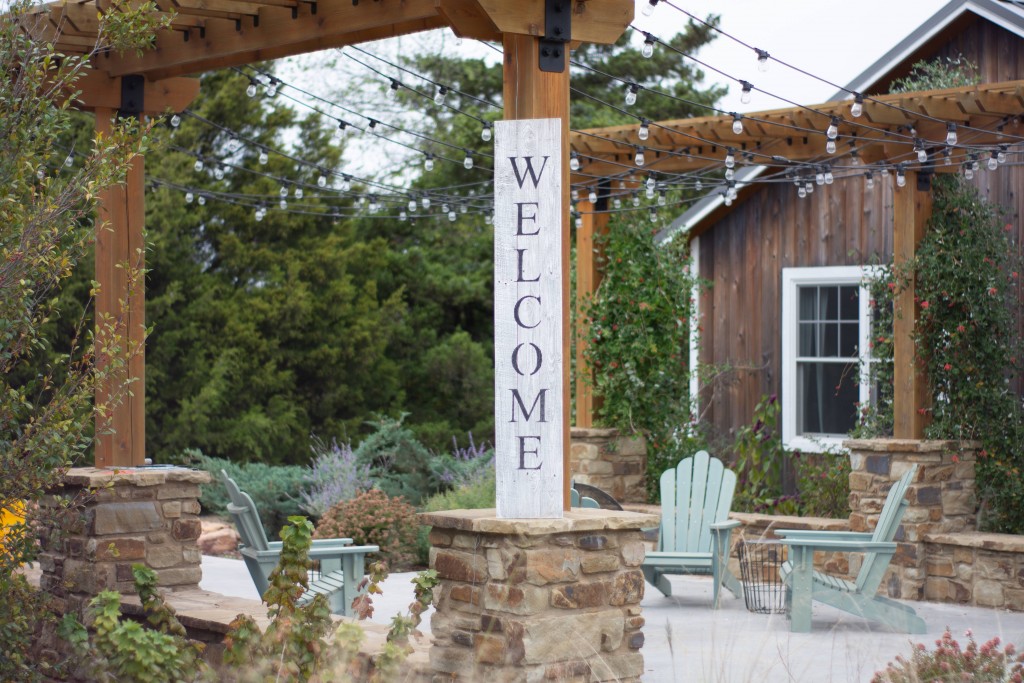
x=760 y=566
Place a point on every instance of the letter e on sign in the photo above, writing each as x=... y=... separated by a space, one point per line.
x=528 y=318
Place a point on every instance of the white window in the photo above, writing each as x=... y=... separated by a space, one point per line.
x=825 y=347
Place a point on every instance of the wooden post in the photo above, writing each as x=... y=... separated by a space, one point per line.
x=913 y=207
x=534 y=94
x=589 y=272
x=120 y=312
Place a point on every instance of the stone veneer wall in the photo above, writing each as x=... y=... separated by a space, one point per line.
x=986 y=570
x=135 y=515
x=542 y=599
x=941 y=500
x=613 y=463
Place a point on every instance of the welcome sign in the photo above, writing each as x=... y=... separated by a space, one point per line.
x=528 y=317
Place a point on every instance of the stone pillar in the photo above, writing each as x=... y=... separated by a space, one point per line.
x=941 y=500
x=144 y=515
x=542 y=599
x=614 y=463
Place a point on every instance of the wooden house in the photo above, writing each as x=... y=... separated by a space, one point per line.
x=771 y=253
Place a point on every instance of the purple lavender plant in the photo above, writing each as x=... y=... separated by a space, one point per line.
x=334 y=476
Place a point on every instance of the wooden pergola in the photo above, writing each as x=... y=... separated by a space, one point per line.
x=210 y=34
x=794 y=139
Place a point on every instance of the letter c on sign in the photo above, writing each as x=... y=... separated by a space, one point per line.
x=516 y=311
x=536 y=367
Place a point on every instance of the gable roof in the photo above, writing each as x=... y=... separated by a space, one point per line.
x=1006 y=14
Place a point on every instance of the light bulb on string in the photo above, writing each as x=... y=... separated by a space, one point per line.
x=445 y=208
x=264 y=157
x=574 y=161
x=648 y=49
x=922 y=153
x=809 y=187
x=175 y=121
x=574 y=194
x=737 y=124
x=218 y=172
x=644 y=131
x=1001 y=154
x=374 y=204
x=372 y=127
x=463 y=208
x=636 y=199
x=947 y=156
x=299 y=192
x=428 y=162
x=578 y=220
x=901 y=176
x=321 y=179
x=819 y=177
x=467 y=162
x=631 y=93
x=617 y=202
x=69 y=161
x=730 y=174
x=974 y=162
x=728 y=200
x=649 y=192
x=650 y=182
x=452 y=216
x=857 y=108
x=833 y=129
x=639 y=159
x=342 y=128
x=283 y=191
x=730 y=157
x=403 y=216
x=654 y=214
x=592 y=197
x=251 y=90
x=745 y=92
x=198 y=166
x=968 y=171
x=951 y=137
x=412 y=203
x=392 y=90
x=801 y=192
x=272 y=87
x=425 y=201
x=648 y=9
x=829 y=178
x=485 y=132
x=283 y=204
x=202 y=200
x=869 y=180
x=762 y=59
x=440 y=95
x=698 y=185
x=830 y=146
x=189 y=197
x=260 y=213
x=662 y=197
x=993 y=162
x=346 y=183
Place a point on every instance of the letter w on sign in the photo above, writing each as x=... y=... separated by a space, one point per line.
x=528 y=317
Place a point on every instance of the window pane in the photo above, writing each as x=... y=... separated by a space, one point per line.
x=808 y=339
x=808 y=303
x=849 y=302
x=827 y=394
x=848 y=341
x=829 y=301
x=830 y=339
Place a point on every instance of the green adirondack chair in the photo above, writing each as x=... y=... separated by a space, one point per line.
x=341 y=564
x=695 y=527
x=804 y=585
x=578 y=501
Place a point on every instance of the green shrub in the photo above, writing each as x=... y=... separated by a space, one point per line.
x=274 y=489
x=399 y=464
x=948 y=662
x=823 y=485
x=474 y=495
x=375 y=518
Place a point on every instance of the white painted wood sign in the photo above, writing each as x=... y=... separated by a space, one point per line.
x=528 y=317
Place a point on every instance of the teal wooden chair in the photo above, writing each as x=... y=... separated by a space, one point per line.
x=695 y=531
x=804 y=585
x=341 y=564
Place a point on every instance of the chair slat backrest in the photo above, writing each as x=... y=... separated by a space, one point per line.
x=695 y=494
x=885 y=531
x=246 y=517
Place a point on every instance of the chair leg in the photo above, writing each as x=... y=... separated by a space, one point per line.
x=800 y=580
x=657 y=579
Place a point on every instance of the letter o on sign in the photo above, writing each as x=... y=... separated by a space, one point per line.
x=537 y=354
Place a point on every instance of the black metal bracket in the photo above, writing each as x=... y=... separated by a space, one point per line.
x=554 y=46
x=924 y=180
x=133 y=88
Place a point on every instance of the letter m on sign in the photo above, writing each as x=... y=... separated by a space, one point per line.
x=528 y=315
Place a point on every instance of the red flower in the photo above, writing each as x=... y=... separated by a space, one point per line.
x=947 y=367
x=956 y=458
x=925 y=304
x=961 y=328
x=993 y=291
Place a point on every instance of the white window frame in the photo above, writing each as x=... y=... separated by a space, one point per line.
x=792 y=280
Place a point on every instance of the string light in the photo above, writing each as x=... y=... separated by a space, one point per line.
x=272 y=87
x=299 y=193
x=467 y=162
x=218 y=172
x=947 y=156
x=730 y=158
x=644 y=131
x=737 y=124
x=252 y=89
x=830 y=146
x=202 y=200
x=1001 y=154
x=392 y=91
x=901 y=176
x=648 y=9
x=574 y=194
x=639 y=158
x=631 y=93
x=730 y=174
x=592 y=197
x=833 y=128
x=264 y=158
x=69 y=161
x=969 y=171
x=189 y=197
x=485 y=132
x=283 y=191
x=198 y=166
x=951 y=136
x=403 y=216
x=617 y=202
x=662 y=198
x=869 y=180
x=762 y=59
x=801 y=192
x=260 y=213
x=574 y=161
x=819 y=177
x=993 y=161
x=440 y=95
x=346 y=183
x=372 y=128
x=857 y=108
x=745 y=92
x=428 y=162
x=829 y=178
x=321 y=179
x=648 y=49
x=175 y=121
x=922 y=153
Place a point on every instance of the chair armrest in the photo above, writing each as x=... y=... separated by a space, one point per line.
x=331 y=542
x=725 y=526
x=885 y=547
x=338 y=551
x=825 y=535
x=649 y=529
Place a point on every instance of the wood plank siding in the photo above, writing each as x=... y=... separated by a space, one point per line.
x=744 y=249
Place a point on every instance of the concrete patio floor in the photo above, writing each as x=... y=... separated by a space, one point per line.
x=687 y=641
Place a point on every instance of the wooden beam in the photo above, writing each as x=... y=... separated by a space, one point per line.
x=468 y=19
x=99 y=91
x=530 y=93
x=593 y=21
x=913 y=207
x=120 y=316
x=589 y=271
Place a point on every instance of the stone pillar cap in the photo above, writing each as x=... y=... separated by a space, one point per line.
x=577 y=519
x=146 y=475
